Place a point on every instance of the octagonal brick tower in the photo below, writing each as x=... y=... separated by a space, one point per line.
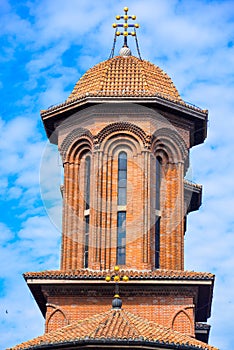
x=125 y=107
x=124 y=135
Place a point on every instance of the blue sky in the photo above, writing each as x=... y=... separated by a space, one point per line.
x=46 y=46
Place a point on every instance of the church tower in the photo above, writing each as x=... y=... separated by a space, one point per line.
x=124 y=136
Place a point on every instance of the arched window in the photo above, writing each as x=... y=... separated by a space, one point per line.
x=87 y=206
x=121 y=215
x=157 y=211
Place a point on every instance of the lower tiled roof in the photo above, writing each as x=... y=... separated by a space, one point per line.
x=114 y=327
x=132 y=274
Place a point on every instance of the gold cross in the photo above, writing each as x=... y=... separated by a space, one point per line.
x=125 y=25
x=116 y=280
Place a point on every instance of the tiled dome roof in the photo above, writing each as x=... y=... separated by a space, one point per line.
x=125 y=76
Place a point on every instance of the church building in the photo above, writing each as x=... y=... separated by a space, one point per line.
x=124 y=135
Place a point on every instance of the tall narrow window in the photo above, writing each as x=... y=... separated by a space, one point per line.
x=157 y=242
x=87 y=205
x=158 y=182
x=86 y=243
x=87 y=182
x=121 y=238
x=121 y=215
x=157 y=214
x=122 y=178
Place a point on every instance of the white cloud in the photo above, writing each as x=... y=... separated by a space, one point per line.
x=14 y=192
x=6 y=234
x=67 y=20
x=17 y=29
x=19 y=313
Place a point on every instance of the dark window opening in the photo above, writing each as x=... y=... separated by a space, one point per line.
x=157 y=207
x=158 y=182
x=121 y=215
x=122 y=178
x=121 y=237
x=157 y=242
x=87 y=206
x=87 y=182
x=86 y=242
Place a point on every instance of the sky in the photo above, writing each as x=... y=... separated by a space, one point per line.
x=46 y=46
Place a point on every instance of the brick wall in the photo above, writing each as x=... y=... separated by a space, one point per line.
x=170 y=308
x=140 y=138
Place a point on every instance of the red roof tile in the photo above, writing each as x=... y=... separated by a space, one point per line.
x=125 y=76
x=132 y=274
x=114 y=326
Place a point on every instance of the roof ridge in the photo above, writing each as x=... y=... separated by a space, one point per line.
x=152 y=325
x=107 y=321
x=127 y=320
x=100 y=325
x=105 y=76
x=143 y=72
x=132 y=273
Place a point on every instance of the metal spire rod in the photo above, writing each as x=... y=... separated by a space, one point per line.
x=138 y=48
x=113 y=47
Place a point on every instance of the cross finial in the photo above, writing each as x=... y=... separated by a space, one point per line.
x=117 y=302
x=125 y=26
x=124 y=31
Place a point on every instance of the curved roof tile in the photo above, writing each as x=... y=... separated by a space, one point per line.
x=128 y=76
x=113 y=327
x=132 y=274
